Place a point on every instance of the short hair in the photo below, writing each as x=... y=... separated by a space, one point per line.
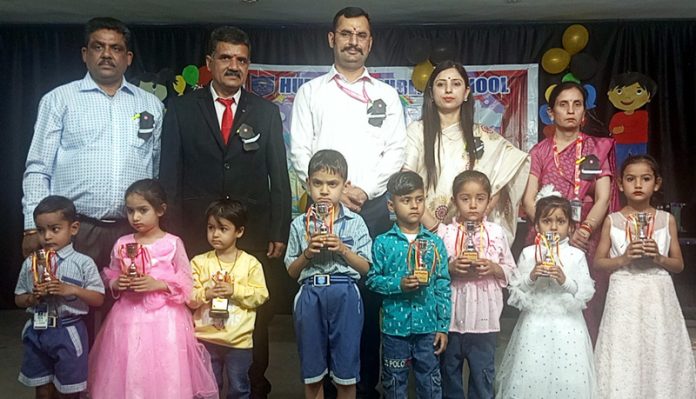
x=350 y=12
x=404 y=183
x=227 y=34
x=228 y=209
x=57 y=203
x=330 y=161
x=629 y=78
x=151 y=190
x=471 y=176
x=109 y=23
x=546 y=205
x=561 y=87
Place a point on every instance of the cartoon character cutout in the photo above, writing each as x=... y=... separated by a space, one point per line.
x=629 y=92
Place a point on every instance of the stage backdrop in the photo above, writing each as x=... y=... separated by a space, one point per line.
x=506 y=98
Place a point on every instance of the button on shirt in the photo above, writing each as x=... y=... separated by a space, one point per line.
x=87 y=147
x=423 y=311
x=73 y=268
x=325 y=117
x=352 y=231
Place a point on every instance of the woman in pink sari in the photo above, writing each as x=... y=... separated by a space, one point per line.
x=581 y=169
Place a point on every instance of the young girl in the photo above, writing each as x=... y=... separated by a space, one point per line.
x=643 y=349
x=146 y=347
x=477 y=297
x=228 y=286
x=550 y=353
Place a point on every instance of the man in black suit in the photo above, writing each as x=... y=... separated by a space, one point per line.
x=222 y=141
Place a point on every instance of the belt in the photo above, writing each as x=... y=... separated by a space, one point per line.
x=100 y=222
x=323 y=280
x=54 y=321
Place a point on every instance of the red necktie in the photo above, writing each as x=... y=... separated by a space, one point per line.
x=227 y=118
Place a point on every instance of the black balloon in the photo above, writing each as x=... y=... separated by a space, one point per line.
x=418 y=50
x=442 y=52
x=583 y=66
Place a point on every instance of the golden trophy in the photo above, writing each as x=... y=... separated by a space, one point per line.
x=219 y=305
x=469 y=252
x=43 y=264
x=549 y=239
x=417 y=260
x=133 y=249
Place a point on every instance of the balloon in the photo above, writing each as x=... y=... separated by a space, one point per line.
x=569 y=77
x=583 y=66
x=421 y=74
x=441 y=52
x=190 y=74
x=179 y=85
x=591 y=96
x=575 y=38
x=418 y=50
x=555 y=60
x=204 y=76
x=548 y=91
x=544 y=114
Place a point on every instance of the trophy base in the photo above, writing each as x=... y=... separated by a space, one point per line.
x=548 y=265
x=470 y=255
x=423 y=276
x=218 y=309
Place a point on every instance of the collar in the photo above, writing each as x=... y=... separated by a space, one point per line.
x=334 y=74
x=65 y=251
x=88 y=84
x=236 y=95
x=422 y=233
x=345 y=213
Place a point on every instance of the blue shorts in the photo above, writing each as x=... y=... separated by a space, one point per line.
x=58 y=355
x=328 y=324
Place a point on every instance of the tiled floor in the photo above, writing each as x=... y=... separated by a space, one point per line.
x=283 y=370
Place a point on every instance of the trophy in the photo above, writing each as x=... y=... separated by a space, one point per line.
x=322 y=211
x=417 y=264
x=44 y=271
x=133 y=249
x=549 y=239
x=42 y=260
x=642 y=225
x=218 y=306
x=469 y=251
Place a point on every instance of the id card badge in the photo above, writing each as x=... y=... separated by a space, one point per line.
x=576 y=210
x=41 y=317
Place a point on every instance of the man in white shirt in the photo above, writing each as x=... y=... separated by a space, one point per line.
x=350 y=111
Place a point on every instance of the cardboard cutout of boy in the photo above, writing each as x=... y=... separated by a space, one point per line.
x=629 y=92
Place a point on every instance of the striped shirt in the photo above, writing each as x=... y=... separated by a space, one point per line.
x=352 y=231
x=73 y=268
x=87 y=147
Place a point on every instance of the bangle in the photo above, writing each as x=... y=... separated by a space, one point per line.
x=304 y=253
x=29 y=232
x=587 y=227
x=434 y=227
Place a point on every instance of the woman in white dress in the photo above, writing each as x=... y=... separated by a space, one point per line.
x=643 y=349
x=445 y=142
x=550 y=353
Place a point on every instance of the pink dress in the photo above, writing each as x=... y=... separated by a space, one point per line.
x=146 y=347
x=544 y=168
x=477 y=304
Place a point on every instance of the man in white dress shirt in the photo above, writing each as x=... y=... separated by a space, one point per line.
x=350 y=111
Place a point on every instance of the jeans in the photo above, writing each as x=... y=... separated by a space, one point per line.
x=402 y=353
x=479 y=351
x=236 y=362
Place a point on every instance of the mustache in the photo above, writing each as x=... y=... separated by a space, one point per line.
x=231 y=72
x=107 y=61
x=352 y=47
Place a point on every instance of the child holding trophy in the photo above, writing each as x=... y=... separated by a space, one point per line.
x=57 y=285
x=327 y=253
x=549 y=354
x=481 y=265
x=146 y=347
x=643 y=348
x=228 y=286
x=410 y=270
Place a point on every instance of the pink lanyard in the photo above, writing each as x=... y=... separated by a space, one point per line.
x=578 y=161
x=364 y=98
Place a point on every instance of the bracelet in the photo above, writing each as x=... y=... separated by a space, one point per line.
x=305 y=256
x=29 y=232
x=586 y=226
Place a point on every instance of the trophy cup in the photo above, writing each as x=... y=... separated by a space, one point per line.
x=42 y=262
x=322 y=210
x=218 y=305
x=550 y=238
x=45 y=312
x=419 y=267
x=642 y=225
x=469 y=251
x=132 y=252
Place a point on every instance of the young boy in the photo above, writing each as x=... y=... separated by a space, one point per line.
x=327 y=255
x=55 y=341
x=228 y=286
x=416 y=306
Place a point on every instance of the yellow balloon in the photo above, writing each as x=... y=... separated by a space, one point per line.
x=555 y=60
x=179 y=85
x=548 y=91
x=575 y=38
x=421 y=74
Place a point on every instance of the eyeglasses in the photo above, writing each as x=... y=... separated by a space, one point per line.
x=347 y=35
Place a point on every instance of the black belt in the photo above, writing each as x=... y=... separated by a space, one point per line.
x=100 y=222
